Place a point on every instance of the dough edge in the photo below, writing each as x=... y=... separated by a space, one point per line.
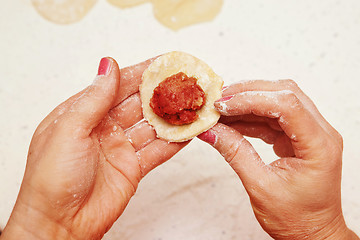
x=167 y=65
x=63 y=12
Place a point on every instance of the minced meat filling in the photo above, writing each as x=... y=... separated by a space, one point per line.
x=177 y=99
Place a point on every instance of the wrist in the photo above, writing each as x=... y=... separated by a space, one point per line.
x=343 y=234
x=30 y=224
x=32 y=232
x=352 y=235
x=318 y=230
x=336 y=230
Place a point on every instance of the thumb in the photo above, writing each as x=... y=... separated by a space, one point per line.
x=96 y=101
x=238 y=152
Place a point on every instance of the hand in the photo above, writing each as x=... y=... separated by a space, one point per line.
x=86 y=159
x=299 y=195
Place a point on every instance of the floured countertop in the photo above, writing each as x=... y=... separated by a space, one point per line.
x=195 y=195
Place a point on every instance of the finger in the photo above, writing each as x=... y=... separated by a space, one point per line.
x=140 y=135
x=128 y=112
x=281 y=143
x=299 y=124
x=251 y=118
x=156 y=153
x=238 y=152
x=286 y=164
x=131 y=79
x=117 y=150
x=129 y=88
x=283 y=146
x=279 y=85
x=58 y=111
x=256 y=130
x=92 y=106
x=244 y=118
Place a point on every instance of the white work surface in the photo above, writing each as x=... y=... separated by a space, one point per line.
x=195 y=195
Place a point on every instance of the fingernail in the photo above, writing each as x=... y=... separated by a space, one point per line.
x=224 y=99
x=104 y=67
x=208 y=137
x=224 y=88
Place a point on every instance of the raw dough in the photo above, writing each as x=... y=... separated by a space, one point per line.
x=177 y=14
x=174 y=14
x=126 y=3
x=168 y=65
x=63 y=11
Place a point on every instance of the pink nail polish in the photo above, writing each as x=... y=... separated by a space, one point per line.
x=208 y=137
x=224 y=99
x=104 y=66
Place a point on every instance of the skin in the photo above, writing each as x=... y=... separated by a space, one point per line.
x=88 y=156
x=86 y=159
x=298 y=196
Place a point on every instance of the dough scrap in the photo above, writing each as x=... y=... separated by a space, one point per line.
x=63 y=11
x=126 y=3
x=177 y=14
x=166 y=66
x=174 y=14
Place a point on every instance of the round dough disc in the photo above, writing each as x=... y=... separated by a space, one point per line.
x=177 y=14
x=63 y=11
x=166 y=66
x=126 y=3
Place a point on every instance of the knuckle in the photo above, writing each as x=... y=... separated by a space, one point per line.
x=340 y=140
x=336 y=141
x=60 y=126
x=231 y=156
x=290 y=84
x=329 y=151
x=292 y=100
x=334 y=154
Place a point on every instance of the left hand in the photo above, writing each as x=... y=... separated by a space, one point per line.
x=297 y=196
x=86 y=159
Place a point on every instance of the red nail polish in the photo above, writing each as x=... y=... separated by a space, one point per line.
x=208 y=137
x=104 y=66
x=224 y=87
x=227 y=98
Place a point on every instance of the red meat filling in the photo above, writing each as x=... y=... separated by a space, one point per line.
x=177 y=99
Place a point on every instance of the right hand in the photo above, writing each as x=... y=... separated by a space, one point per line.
x=299 y=195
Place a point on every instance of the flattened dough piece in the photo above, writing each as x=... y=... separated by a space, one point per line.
x=166 y=66
x=177 y=14
x=63 y=11
x=126 y=3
